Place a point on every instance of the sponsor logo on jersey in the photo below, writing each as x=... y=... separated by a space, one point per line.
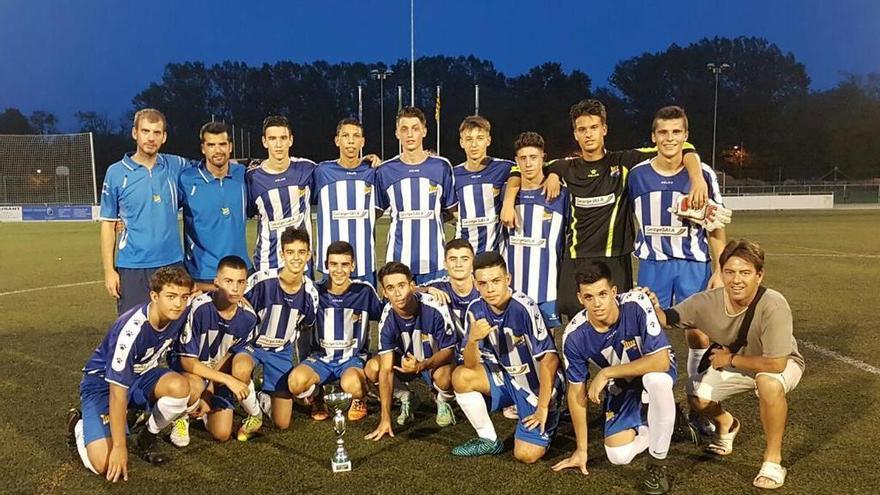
x=415 y=214
x=517 y=370
x=478 y=221
x=517 y=240
x=336 y=344
x=615 y=171
x=283 y=223
x=593 y=173
x=594 y=202
x=666 y=230
x=349 y=214
x=267 y=342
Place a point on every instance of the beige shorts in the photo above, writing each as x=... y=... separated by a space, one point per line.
x=716 y=386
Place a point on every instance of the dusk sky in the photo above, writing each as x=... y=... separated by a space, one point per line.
x=64 y=56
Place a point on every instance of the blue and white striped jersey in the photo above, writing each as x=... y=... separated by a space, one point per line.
x=428 y=332
x=208 y=336
x=346 y=212
x=662 y=235
x=480 y=195
x=515 y=347
x=344 y=322
x=282 y=316
x=280 y=200
x=458 y=306
x=534 y=248
x=132 y=346
x=637 y=333
x=415 y=197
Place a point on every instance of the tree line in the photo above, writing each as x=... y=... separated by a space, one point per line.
x=770 y=125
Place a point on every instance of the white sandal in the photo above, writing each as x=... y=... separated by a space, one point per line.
x=722 y=443
x=772 y=471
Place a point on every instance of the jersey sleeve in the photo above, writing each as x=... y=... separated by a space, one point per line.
x=443 y=328
x=382 y=200
x=574 y=358
x=375 y=305
x=109 y=197
x=247 y=336
x=121 y=366
x=254 y=294
x=388 y=333
x=712 y=181
x=449 y=199
x=251 y=206
x=188 y=342
x=542 y=341
x=653 y=337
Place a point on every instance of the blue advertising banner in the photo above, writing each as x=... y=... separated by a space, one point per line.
x=49 y=213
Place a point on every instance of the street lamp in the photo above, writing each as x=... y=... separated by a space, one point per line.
x=381 y=75
x=716 y=69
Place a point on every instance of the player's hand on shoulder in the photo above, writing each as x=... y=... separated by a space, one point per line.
x=577 y=459
x=380 y=431
x=651 y=296
x=699 y=194
x=438 y=294
x=374 y=160
x=508 y=217
x=117 y=464
x=552 y=187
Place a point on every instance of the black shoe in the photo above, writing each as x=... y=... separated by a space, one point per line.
x=145 y=445
x=656 y=480
x=73 y=417
x=684 y=430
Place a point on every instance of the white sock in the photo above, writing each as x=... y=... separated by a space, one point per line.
x=192 y=407
x=166 y=410
x=661 y=413
x=625 y=453
x=81 y=446
x=693 y=363
x=474 y=407
x=443 y=395
x=249 y=403
x=400 y=391
x=308 y=393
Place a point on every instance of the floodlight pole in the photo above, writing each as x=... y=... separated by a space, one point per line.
x=716 y=69
x=381 y=75
x=412 y=53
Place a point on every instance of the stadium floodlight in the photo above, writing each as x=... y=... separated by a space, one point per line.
x=381 y=75
x=716 y=69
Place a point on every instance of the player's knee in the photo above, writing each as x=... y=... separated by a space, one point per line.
x=99 y=464
x=699 y=403
x=281 y=423
x=175 y=385
x=461 y=379
x=351 y=382
x=620 y=456
x=769 y=389
x=371 y=369
x=222 y=435
x=443 y=378
x=528 y=454
x=242 y=369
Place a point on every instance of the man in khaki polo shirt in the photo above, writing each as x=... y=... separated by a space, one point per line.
x=769 y=363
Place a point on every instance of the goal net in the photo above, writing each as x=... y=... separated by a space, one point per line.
x=47 y=169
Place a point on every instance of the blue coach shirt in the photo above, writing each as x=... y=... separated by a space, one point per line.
x=146 y=202
x=213 y=218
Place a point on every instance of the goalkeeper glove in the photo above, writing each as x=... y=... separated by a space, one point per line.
x=711 y=216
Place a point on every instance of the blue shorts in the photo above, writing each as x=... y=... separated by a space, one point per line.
x=423 y=278
x=623 y=405
x=134 y=286
x=276 y=366
x=551 y=317
x=674 y=280
x=94 y=397
x=503 y=393
x=330 y=372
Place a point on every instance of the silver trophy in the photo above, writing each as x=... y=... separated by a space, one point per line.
x=339 y=402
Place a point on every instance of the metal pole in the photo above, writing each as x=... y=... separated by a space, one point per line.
x=399 y=97
x=233 y=140
x=382 y=114
x=360 y=104
x=241 y=141
x=94 y=177
x=412 y=54
x=715 y=120
x=476 y=99
x=438 y=119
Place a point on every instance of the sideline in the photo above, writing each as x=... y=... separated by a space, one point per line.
x=61 y=286
x=840 y=357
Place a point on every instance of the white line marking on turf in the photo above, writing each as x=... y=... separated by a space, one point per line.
x=827 y=252
x=826 y=255
x=840 y=357
x=34 y=289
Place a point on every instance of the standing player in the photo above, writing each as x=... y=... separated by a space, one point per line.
x=478 y=185
x=124 y=370
x=601 y=219
x=342 y=339
x=213 y=197
x=416 y=338
x=286 y=302
x=621 y=336
x=344 y=193
x=140 y=192
x=677 y=257
x=535 y=245
x=279 y=192
x=220 y=324
x=519 y=366
x=417 y=190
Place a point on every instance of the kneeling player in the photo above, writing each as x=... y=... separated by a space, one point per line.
x=286 y=302
x=124 y=370
x=417 y=334
x=342 y=340
x=621 y=336
x=519 y=366
x=209 y=354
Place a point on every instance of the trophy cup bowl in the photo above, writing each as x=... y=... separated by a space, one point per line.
x=339 y=402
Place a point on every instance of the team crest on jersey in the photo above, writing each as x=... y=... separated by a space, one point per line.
x=105 y=419
x=368 y=190
x=548 y=215
x=355 y=317
x=615 y=171
x=609 y=415
x=496 y=191
x=157 y=198
x=593 y=173
x=225 y=211
x=629 y=344
x=426 y=337
x=302 y=192
x=432 y=189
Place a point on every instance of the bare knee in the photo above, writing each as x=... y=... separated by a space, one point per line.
x=351 y=382
x=770 y=390
x=462 y=379
x=442 y=377
x=528 y=454
x=173 y=385
x=242 y=368
x=371 y=370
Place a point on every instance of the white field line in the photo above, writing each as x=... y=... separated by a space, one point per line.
x=61 y=286
x=827 y=255
x=828 y=252
x=840 y=357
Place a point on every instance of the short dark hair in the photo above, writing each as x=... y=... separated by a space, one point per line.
x=458 y=244
x=293 y=234
x=349 y=121
x=671 y=112
x=527 y=139
x=276 y=121
x=593 y=272
x=748 y=250
x=394 y=268
x=475 y=122
x=231 y=261
x=588 y=107
x=339 y=247
x=489 y=259
x=411 y=112
x=170 y=275
x=214 y=128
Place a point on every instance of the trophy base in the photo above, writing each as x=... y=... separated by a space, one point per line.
x=339 y=467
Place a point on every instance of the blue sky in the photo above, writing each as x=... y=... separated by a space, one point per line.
x=64 y=56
